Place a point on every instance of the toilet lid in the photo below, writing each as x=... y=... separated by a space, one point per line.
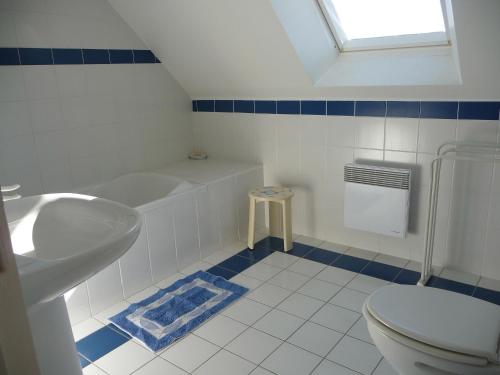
x=444 y=319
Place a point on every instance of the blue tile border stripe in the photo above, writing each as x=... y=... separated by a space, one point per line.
x=109 y=337
x=453 y=110
x=67 y=56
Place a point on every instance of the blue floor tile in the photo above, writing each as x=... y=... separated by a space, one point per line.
x=271 y=243
x=454 y=286
x=322 y=256
x=407 y=277
x=237 y=263
x=488 y=295
x=381 y=271
x=299 y=249
x=101 y=342
x=83 y=362
x=258 y=253
x=350 y=263
x=219 y=271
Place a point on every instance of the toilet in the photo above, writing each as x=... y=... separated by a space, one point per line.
x=423 y=330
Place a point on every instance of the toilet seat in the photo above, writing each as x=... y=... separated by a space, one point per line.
x=446 y=321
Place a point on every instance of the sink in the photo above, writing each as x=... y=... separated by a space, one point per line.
x=59 y=241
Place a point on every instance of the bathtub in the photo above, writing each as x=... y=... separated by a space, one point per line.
x=190 y=210
x=139 y=190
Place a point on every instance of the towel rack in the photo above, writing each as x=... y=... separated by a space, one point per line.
x=472 y=151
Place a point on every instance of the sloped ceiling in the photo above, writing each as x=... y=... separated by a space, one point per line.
x=238 y=49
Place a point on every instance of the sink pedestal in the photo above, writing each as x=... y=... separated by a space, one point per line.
x=53 y=338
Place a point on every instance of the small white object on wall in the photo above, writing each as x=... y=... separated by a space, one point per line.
x=376 y=199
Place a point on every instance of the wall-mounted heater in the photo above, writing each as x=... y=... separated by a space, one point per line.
x=377 y=199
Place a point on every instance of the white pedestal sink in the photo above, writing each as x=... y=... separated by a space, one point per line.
x=61 y=240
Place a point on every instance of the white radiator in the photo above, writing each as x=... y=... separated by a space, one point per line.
x=377 y=199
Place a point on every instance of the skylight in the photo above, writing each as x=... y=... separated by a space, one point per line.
x=378 y=24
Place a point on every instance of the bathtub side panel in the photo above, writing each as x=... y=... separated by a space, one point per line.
x=208 y=223
x=186 y=230
x=244 y=183
x=223 y=197
x=105 y=288
x=135 y=266
x=161 y=242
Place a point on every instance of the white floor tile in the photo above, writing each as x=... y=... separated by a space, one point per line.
x=356 y=355
x=306 y=267
x=279 y=259
x=360 y=253
x=247 y=282
x=93 y=370
x=319 y=289
x=261 y=371
x=300 y=305
x=391 y=260
x=85 y=328
x=159 y=366
x=336 y=275
x=143 y=294
x=253 y=345
x=461 y=277
x=329 y=368
x=220 y=330
x=170 y=280
x=225 y=363
x=315 y=338
x=360 y=331
x=125 y=359
x=279 y=324
x=384 y=368
x=289 y=280
x=290 y=360
x=261 y=271
x=350 y=299
x=246 y=311
x=217 y=257
x=190 y=352
x=198 y=266
x=269 y=294
x=336 y=318
x=366 y=284
x=113 y=310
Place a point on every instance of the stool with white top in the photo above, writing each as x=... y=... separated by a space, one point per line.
x=280 y=212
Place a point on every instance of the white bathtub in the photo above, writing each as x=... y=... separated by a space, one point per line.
x=183 y=222
x=139 y=190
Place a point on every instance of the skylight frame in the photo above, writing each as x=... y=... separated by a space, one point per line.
x=434 y=39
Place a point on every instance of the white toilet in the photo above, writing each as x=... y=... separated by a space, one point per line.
x=423 y=330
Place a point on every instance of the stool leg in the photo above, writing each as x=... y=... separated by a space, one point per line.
x=275 y=219
x=251 y=223
x=287 y=224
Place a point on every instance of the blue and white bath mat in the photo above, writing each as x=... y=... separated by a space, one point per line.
x=170 y=313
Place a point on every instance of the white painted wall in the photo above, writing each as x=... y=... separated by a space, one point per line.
x=68 y=126
x=308 y=153
x=238 y=49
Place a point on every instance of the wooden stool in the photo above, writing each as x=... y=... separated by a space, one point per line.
x=280 y=199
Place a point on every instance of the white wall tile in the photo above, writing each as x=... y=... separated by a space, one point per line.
x=401 y=134
x=12 y=83
x=477 y=130
x=14 y=119
x=46 y=115
x=8 y=36
x=32 y=29
x=40 y=82
x=369 y=132
x=434 y=132
x=77 y=303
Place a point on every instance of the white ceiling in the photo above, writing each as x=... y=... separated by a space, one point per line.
x=238 y=49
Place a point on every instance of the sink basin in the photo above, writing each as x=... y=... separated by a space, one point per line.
x=61 y=240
